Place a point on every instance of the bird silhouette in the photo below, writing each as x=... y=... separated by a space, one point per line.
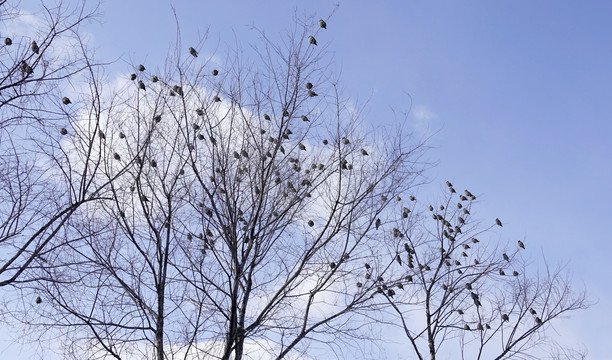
x=448 y=183
x=323 y=24
x=141 y=85
x=498 y=222
x=377 y=223
x=308 y=85
x=63 y=131
x=501 y=272
x=66 y=100
x=116 y=156
x=312 y=40
x=38 y=300
x=505 y=317
x=141 y=67
x=215 y=72
x=132 y=77
x=532 y=311
x=364 y=153
x=506 y=257
x=310 y=223
x=302 y=147
x=304 y=118
x=8 y=41
x=312 y=93
x=154 y=78
x=216 y=98
x=515 y=273
x=101 y=135
x=520 y=244
x=345 y=141
x=193 y=52
x=34 y=47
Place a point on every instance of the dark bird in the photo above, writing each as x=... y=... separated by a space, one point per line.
x=332 y=265
x=448 y=183
x=323 y=24
x=38 y=300
x=367 y=266
x=532 y=311
x=520 y=244
x=305 y=118
x=199 y=112
x=468 y=286
x=302 y=147
x=101 y=135
x=506 y=257
x=431 y=209
x=24 y=67
x=476 y=262
x=466 y=211
x=390 y=292
x=345 y=141
x=216 y=98
x=463 y=198
x=461 y=220
x=132 y=76
x=325 y=142
x=141 y=67
x=66 y=100
x=193 y=52
x=501 y=272
x=377 y=223
x=8 y=41
x=141 y=85
x=154 y=78
x=479 y=327
x=312 y=40
x=475 y=241
x=63 y=131
x=515 y=273
x=505 y=317
x=498 y=222
x=116 y=156
x=466 y=327
x=308 y=85
x=538 y=320
x=398 y=259
x=310 y=223
x=267 y=117
x=244 y=153
x=34 y=47
x=312 y=93
x=459 y=206
x=359 y=284
x=452 y=189
x=215 y=72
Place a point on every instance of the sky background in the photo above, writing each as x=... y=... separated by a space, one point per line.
x=518 y=95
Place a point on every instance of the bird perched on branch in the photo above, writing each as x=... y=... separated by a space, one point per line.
x=63 y=131
x=34 y=47
x=8 y=41
x=215 y=72
x=520 y=244
x=308 y=85
x=141 y=85
x=498 y=222
x=322 y=24
x=193 y=52
x=66 y=100
x=141 y=67
x=312 y=40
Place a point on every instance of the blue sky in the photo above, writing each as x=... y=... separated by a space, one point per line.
x=519 y=91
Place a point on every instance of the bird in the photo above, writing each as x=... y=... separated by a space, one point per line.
x=479 y=327
x=460 y=220
x=24 y=67
x=141 y=67
x=532 y=311
x=452 y=189
x=466 y=211
x=468 y=286
x=538 y=320
x=505 y=317
x=216 y=98
x=501 y=272
x=448 y=183
x=506 y=257
x=308 y=85
x=215 y=72
x=377 y=223
x=312 y=93
x=38 y=300
x=132 y=76
x=153 y=163
x=305 y=118
x=431 y=209
x=8 y=41
x=325 y=142
x=66 y=100
x=345 y=141
x=459 y=206
x=520 y=244
x=267 y=117
x=236 y=155
x=244 y=153
x=476 y=262
x=498 y=222
x=101 y=135
x=312 y=40
x=193 y=52
x=515 y=273
x=310 y=223
x=463 y=198
x=34 y=47
x=475 y=241
x=323 y=24
x=154 y=78
x=116 y=156
x=332 y=265
x=467 y=327
x=141 y=85
x=63 y=131
x=302 y=147
x=367 y=266
x=359 y=284
x=398 y=259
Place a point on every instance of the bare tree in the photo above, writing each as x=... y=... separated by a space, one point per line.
x=39 y=187
x=247 y=206
x=469 y=294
